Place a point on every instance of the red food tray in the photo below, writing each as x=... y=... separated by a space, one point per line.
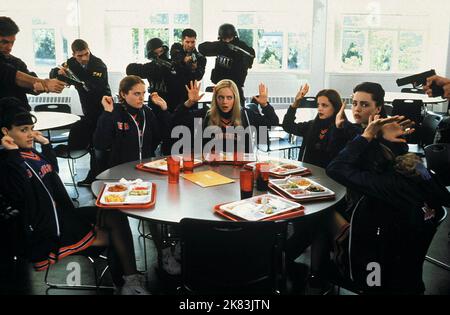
x=305 y=172
x=149 y=205
x=287 y=215
x=284 y=195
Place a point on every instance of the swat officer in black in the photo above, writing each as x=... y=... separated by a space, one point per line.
x=89 y=75
x=159 y=72
x=234 y=57
x=188 y=62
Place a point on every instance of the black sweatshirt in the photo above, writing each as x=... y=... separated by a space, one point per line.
x=116 y=131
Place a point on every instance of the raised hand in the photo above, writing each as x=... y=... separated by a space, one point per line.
x=262 y=98
x=300 y=94
x=340 y=117
x=39 y=137
x=393 y=132
x=396 y=130
x=193 y=93
x=159 y=101
x=8 y=143
x=108 y=103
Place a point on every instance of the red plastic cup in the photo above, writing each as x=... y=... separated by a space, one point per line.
x=246 y=183
x=173 y=166
x=188 y=163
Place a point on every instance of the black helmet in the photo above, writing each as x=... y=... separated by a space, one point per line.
x=153 y=44
x=227 y=31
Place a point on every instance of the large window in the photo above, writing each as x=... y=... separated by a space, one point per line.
x=43 y=40
x=280 y=32
x=165 y=20
x=386 y=36
x=381 y=43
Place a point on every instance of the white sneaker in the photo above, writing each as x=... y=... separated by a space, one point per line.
x=169 y=263
x=134 y=285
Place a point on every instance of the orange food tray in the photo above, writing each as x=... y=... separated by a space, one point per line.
x=284 y=195
x=141 y=167
x=149 y=205
x=287 y=215
x=305 y=172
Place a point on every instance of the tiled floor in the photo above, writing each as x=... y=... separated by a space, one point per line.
x=26 y=281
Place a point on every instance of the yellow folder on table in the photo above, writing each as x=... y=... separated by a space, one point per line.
x=207 y=179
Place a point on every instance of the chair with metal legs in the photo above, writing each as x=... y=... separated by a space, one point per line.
x=94 y=256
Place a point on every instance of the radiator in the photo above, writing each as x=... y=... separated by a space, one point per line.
x=49 y=99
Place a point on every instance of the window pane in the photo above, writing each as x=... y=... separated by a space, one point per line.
x=411 y=51
x=381 y=47
x=177 y=34
x=135 y=41
x=161 y=33
x=299 y=51
x=246 y=19
x=181 y=19
x=44 y=47
x=352 y=49
x=162 y=18
x=270 y=49
x=246 y=36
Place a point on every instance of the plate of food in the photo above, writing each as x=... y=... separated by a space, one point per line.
x=282 y=167
x=162 y=164
x=260 y=207
x=298 y=187
x=127 y=193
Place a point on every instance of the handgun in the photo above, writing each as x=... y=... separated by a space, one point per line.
x=420 y=79
x=71 y=79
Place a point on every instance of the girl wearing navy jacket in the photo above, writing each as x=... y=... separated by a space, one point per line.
x=316 y=133
x=130 y=130
x=52 y=227
x=225 y=112
x=396 y=217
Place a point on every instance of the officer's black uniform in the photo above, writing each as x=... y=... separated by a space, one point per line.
x=160 y=74
x=230 y=63
x=17 y=64
x=185 y=72
x=95 y=76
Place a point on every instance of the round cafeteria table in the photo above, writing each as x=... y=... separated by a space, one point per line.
x=188 y=200
x=52 y=120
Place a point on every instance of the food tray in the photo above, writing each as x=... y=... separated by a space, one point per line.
x=300 y=188
x=282 y=167
x=228 y=158
x=132 y=195
x=161 y=165
x=260 y=207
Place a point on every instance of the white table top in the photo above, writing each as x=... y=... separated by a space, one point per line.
x=188 y=200
x=51 y=120
x=306 y=114
x=391 y=96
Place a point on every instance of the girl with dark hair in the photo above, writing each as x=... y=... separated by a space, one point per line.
x=52 y=227
x=316 y=133
x=130 y=130
x=394 y=223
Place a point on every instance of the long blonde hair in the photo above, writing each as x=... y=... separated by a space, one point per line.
x=214 y=112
